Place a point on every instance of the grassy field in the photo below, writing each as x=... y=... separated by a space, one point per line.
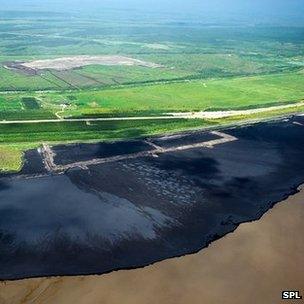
x=82 y=131
x=10 y=158
x=187 y=50
x=213 y=65
x=196 y=95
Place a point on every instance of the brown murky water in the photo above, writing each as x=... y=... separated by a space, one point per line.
x=252 y=265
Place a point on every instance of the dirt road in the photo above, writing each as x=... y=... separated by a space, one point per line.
x=223 y=114
x=186 y=115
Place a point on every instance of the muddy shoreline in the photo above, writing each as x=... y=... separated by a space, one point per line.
x=133 y=213
x=265 y=264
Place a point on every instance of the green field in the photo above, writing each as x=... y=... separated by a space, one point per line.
x=188 y=50
x=196 y=95
x=207 y=66
x=10 y=158
x=82 y=131
x=200 y=95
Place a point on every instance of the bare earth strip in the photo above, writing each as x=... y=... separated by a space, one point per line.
x=223 y=114
x=67 y=63
x=252 y=265
x=185 y=115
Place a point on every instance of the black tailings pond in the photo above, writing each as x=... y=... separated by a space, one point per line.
x=134 y=212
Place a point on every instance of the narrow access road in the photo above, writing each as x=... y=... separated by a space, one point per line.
x=185 y=115
x=223 y=114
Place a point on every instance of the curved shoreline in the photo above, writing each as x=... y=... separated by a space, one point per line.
x=174 y=204
x=210 y=267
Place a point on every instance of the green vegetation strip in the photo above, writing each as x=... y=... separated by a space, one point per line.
x=214 y=94
x=10 y=158
x=192 y=96
x=82 y=131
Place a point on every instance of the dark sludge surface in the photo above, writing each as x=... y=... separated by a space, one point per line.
x=135 y=212
x=298 y=119
x=33 y=163
x=183 y=139
x=67 y=154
